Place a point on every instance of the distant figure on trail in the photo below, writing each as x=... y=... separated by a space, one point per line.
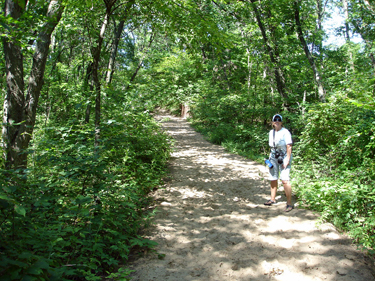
x=280 y=160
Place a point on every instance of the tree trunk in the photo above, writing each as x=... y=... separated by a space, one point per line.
x=140 y=63
x=346 y=12
x=134 y=74
x=20 y=112
x=249 y=67
x=117 y=36
x=14 y=100
x=320 y=7
x=204 y=56
x=111 y=63
x=280 y=81
x=347 y=37
x=95 y=76
x=310 y=58
x=88 y=88
x=39 y=63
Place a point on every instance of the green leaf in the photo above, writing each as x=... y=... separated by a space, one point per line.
x=21 y=3
x=4 y=197
x=20 y=210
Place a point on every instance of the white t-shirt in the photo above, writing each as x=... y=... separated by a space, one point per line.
x=282 y=138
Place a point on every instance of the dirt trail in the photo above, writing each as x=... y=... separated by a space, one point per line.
x=212 y=224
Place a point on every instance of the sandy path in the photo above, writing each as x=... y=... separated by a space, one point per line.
x=212 y=224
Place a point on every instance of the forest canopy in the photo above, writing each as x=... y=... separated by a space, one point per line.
x=81 y=80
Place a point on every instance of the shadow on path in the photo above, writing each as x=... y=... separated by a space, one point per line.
x=212 y=225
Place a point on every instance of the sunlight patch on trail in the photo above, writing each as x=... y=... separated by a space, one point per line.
x=212 y=224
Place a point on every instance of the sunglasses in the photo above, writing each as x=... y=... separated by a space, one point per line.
x=277 y=120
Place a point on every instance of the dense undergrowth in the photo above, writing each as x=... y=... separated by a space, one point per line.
x=335 y=168
x=334 y=155
x=79 y=212
x=76 y=211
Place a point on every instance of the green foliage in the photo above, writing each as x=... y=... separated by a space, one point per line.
x=248 y=141
x=79 y=213
x=76 y=212
x=334 y=167
x=170 y=82
x=232 y=121
x=325 y=124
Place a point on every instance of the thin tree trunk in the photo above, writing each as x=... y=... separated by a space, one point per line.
x=204 y=56
x=346 y=12
x=249 y=64
x=140 y=63
x=134 y=74
x=111 y=63
x=310 y=58
x=225 y=74
x=88 y=84
x=95 y=67
x=280 y=82
x=249 y=67
x=347 y=37
x=320 y=7
x=117 y=36
x=20 y=112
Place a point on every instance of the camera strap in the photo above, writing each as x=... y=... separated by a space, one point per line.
x=281 y=152
x=274 y=146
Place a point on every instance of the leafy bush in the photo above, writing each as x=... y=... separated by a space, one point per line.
x=233 y=121
x=334 y=167
x=80 y=210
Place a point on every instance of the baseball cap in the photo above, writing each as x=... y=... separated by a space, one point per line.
x=277 y=115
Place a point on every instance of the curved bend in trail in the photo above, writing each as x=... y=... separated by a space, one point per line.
x=212 y=225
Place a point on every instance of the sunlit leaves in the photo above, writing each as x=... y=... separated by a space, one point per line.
x=335 y=164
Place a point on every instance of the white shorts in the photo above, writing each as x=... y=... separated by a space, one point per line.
x=278 y=170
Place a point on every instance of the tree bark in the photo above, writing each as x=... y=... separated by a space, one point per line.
x=88 y=87
x=14 y=100
x=39 y=63
x=140 y=62
x=95 y=76
x=96 y=52
x=347 y=37
x=310 y=58
x=117 y=36
x=111 y=63
x=280 y=81
x=320 y=8
x=20 y=111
